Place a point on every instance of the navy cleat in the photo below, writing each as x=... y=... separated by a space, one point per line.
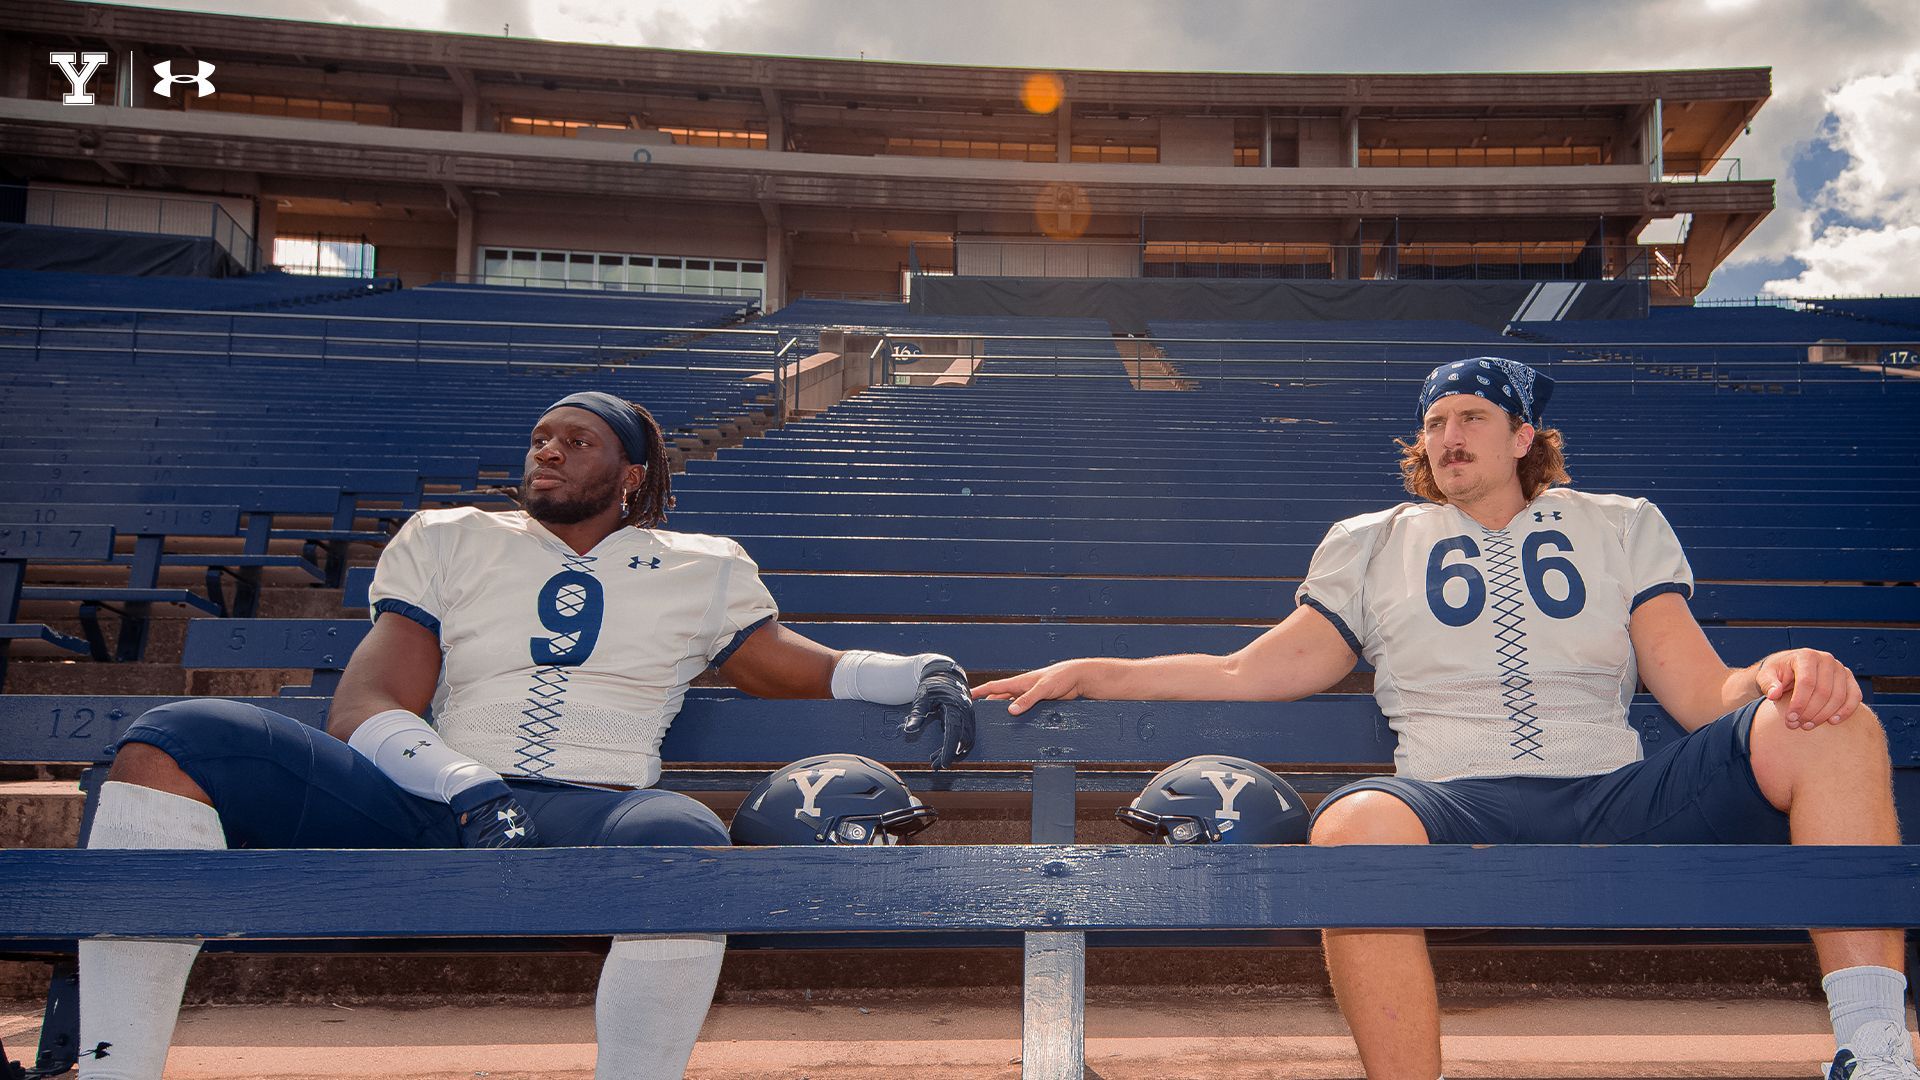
x=1879 y=1051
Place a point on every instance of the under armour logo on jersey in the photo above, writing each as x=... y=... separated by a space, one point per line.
x=1228 y=784
x=511 y=816
x=415 y=748
x=167 y=78
x=811 y=791
x=651 y=564
x=1542 y=516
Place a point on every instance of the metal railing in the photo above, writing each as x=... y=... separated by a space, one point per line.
x=1380 y=260
x=44 y=331
x=158 y=215
x=1697 y=170
x=1227 y=363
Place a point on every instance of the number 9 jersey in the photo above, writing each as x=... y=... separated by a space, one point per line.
x=564 y=666
x=1500 y=652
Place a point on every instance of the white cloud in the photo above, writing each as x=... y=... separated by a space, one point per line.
x=1848 y=261
x=1861 y=232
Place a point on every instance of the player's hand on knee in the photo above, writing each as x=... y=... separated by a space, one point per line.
x=1056 y=682
x=943 y=699
x=1809 y=686
x=490 y=816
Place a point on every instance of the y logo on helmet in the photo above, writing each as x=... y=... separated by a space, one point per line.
x=1228 y=791
x=811 y=791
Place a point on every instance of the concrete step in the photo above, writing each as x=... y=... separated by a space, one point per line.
x=1180 y=1036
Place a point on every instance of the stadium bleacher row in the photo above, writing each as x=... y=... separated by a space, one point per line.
x=210 y=511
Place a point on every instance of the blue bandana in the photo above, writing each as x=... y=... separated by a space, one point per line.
x=619 y=416
x=1513 y=386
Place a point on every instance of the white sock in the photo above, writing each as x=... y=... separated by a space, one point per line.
x=1858 y=996
x=130 y=991
x=653 y=997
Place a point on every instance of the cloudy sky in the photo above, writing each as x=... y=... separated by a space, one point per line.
x=1841 y=134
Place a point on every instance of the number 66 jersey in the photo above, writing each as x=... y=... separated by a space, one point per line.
x=1500 y=652
x=558 y=665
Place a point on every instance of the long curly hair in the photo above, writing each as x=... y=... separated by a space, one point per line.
x=648 y=504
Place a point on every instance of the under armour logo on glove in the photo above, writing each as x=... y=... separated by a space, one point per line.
x=511 y=817
x=490 y=816
x=943 y=696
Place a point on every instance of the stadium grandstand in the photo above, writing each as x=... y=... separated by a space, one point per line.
x=1015 y=366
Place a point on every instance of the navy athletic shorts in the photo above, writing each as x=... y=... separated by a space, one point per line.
x=278 y=783
x=1700 y=790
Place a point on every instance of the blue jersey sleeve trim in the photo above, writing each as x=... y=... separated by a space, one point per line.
x=401 y=607
x=1685 y=591
x=1338 y=623
x=739 y=639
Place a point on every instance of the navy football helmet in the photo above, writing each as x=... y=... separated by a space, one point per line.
x=1214 y=799
x=831 y=799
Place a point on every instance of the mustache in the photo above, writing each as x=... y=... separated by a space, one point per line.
x=1452 y=456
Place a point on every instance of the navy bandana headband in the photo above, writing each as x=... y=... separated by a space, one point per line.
x=619 y=416
x=1513 y=386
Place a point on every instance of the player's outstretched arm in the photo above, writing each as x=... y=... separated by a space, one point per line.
x=777 y=662
x=1303 y=655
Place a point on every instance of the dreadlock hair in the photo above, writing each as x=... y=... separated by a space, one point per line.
x=647 y=505
x=1544 y=465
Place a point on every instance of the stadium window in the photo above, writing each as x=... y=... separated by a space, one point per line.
x=986 y=150
x=1478 y=156
x=326 y=256
x=721 y=138
x=552 y=128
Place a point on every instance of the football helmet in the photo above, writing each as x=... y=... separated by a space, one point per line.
x=831 y=799
x=1215 y=799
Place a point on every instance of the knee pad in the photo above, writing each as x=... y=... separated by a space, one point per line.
x=664 y=818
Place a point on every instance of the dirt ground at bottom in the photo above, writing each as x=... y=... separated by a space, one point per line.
x=933 y=1039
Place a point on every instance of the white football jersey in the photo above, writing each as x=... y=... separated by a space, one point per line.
x=560 y=665
x=1500 y=652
